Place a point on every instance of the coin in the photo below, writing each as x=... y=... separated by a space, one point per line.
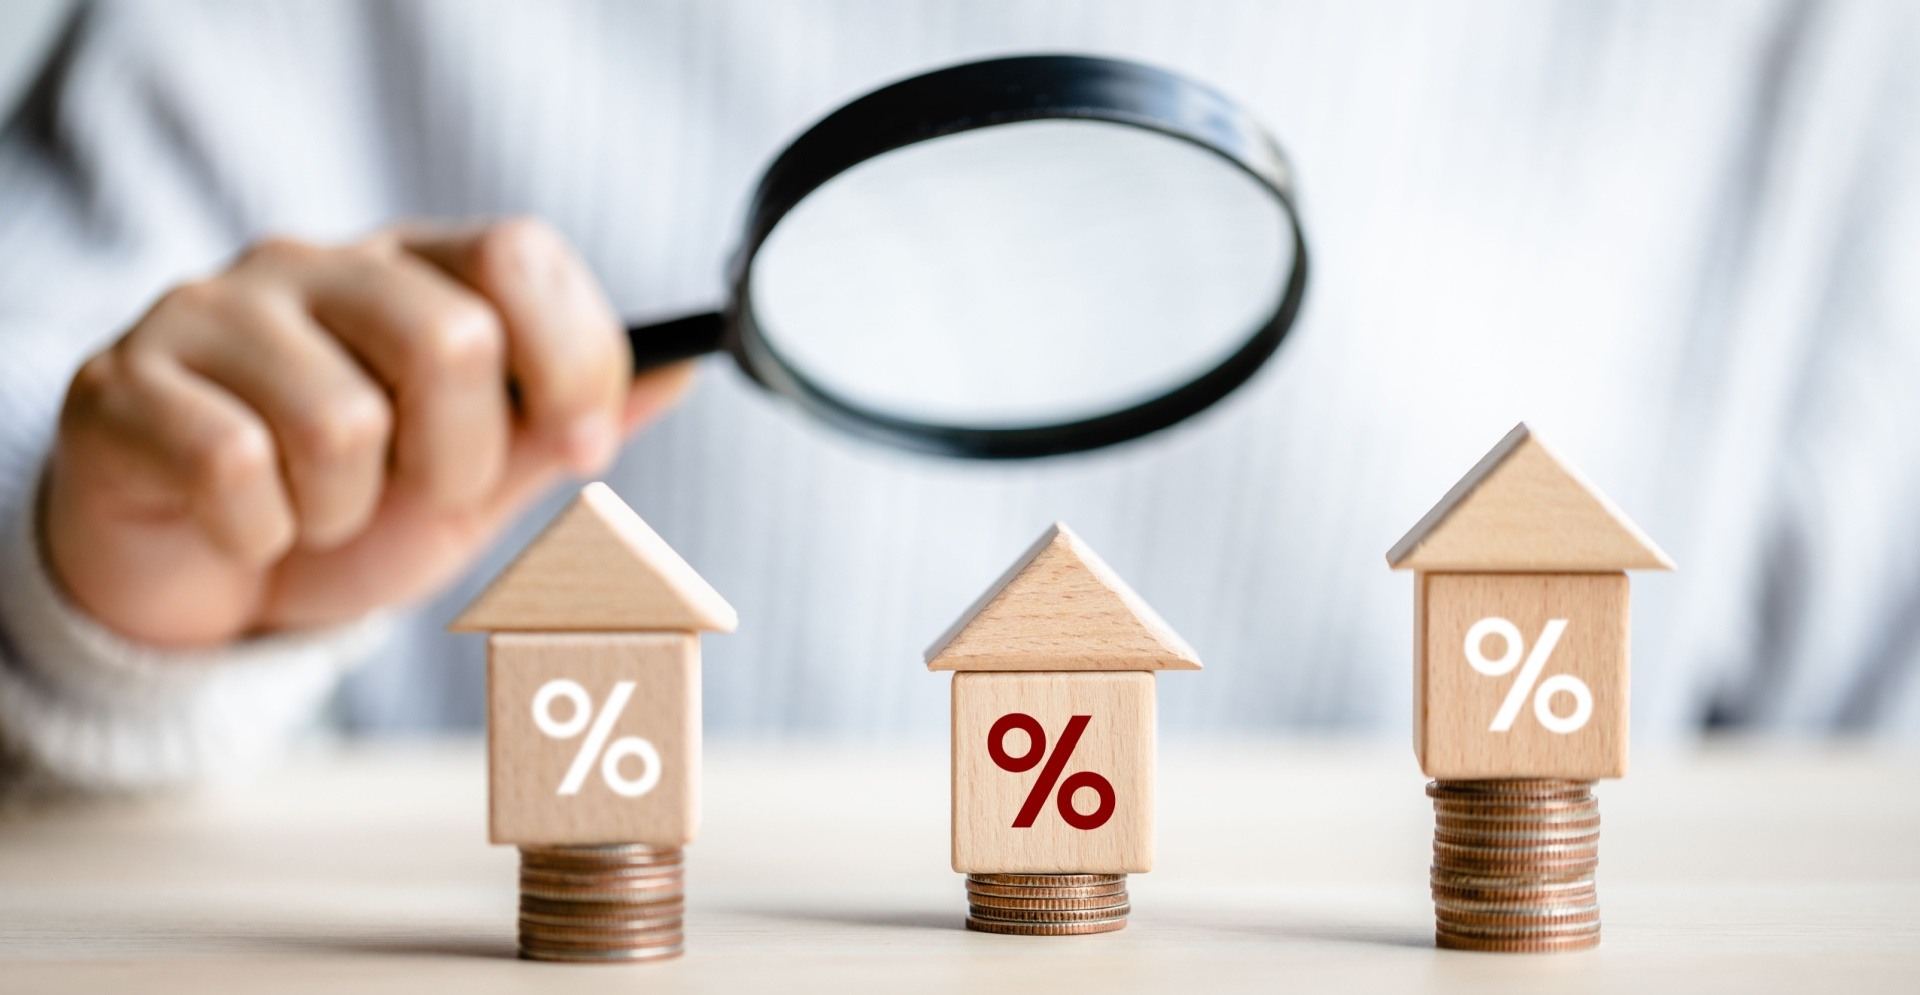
x=535 y=905
x=601 y=903
x=1511 y=933
x=1574 y=791
x=1046 y=904
x=1507 y=914
x=615 y=952
x=632 y=855
x=997 y=892
x=1513 y=865
x=601 y=922
x=659 y=892
x=623 y=955
x=1450 y=941
x=1051 y=904
x=1046 y=915
x=618 y=883
x=636 y=890
x=1516 y=898
x=572 y=871
x=610 y=880
x=1049 y=880
x=1047 y=929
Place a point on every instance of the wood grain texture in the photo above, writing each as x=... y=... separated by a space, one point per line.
x=598 y=567
x=1420 y=669
x=1060 y=607
x=1522 y=508
x=1117 y=744
x=527 y=766
x=1455 y=703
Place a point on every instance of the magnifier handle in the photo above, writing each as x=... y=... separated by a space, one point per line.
x=671 y=341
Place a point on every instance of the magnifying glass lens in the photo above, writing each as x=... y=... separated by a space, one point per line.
x=1010 y=259
x=1030 y=274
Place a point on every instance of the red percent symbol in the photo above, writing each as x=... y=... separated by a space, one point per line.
x=1050 y=774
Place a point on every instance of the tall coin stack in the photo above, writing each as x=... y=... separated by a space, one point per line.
x=1513 y=864
x=1047 y=904
x=600 y=903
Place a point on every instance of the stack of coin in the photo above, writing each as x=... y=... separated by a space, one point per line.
x=600 y=903
x=1513 y=865
x=1047 y=904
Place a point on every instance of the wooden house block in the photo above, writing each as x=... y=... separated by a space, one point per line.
x=593 y=737
x=1060 y=607
x=598 y=568
x=1483 y=711
x=1522 y=508
x=1076 y=797
x=1053 y=716
x=1521 y=621
x=593 y=682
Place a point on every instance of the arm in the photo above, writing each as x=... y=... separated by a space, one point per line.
x=206 y=506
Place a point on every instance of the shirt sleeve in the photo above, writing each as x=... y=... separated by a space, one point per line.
x=82 y=707
x=102 y=204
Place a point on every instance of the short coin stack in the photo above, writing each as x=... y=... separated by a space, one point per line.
x=1513 y=864
x=1047 y=904
x=600 y=903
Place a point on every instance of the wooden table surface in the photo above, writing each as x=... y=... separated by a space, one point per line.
x=1293 y=866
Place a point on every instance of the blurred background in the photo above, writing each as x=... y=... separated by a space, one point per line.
x=1681 y=240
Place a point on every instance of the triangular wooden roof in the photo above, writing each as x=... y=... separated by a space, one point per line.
x=1522 y=508
x=598 y=567
x=1060 y=607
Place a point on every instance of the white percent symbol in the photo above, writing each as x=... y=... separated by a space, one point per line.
x=1529 y=675
x=591 y=747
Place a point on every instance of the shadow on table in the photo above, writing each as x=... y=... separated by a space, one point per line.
x=1289 y=929
x=406 y=946
x=1322 y=931
x=265 y=937
x=863 y=918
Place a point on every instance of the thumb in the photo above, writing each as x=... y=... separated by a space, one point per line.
x=531 y=470
x=654 y=391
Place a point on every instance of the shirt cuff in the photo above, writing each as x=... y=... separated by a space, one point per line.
x=84 y=708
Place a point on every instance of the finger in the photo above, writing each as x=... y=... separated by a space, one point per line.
x=439 y=347
x=311 y=593
x=172 y=439
x=331 y=422
x=654 y=391
x=566 y=350
x=531 y=468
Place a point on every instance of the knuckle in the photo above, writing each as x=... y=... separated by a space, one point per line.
x=195 y=315
x=345 y=426
x=382 y=245
x=232 y=458
x=369 y=255
x=512 y=249
x=93 y=384
x=191 y=300
x=279 y=250
x=462 y=341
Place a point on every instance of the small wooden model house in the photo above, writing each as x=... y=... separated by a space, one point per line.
x=1520 y=621
x=593 y=682
x=1053 y=716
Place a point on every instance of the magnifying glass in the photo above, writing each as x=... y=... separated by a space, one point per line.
x=1011 y=258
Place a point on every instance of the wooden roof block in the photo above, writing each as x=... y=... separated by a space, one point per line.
x=598 y=567
x=1060 y=607
x=1523 y=509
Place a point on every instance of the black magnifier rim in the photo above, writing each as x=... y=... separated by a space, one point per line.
x=980 y=95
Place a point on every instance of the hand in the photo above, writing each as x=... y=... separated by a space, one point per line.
x=320 y=431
